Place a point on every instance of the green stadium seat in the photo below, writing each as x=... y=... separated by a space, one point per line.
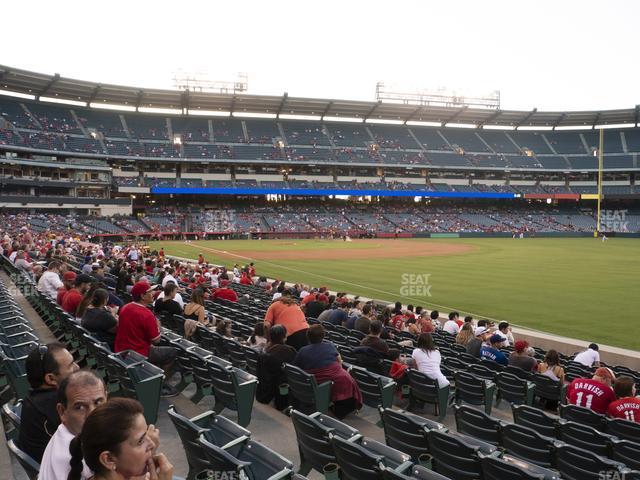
x=252 y=459
x=417 y=472
x=514 y=469
x=623 y=429
x=376 y=389
x=536 y=419
x=473 y=390
x=575 y=463
x=586 y=437
x=583 y=416
x=477 y=424
x=514 y=389
x=139 y=379
x=314 y=433
x=30 y=466
x=528 y=444
x=408 y=432
x=233 y=388
x=364 y=460
x=458 y=456
x=11 y=419
x=549 y=389
x=423 y=389
x=308 y=395
x=216 y=429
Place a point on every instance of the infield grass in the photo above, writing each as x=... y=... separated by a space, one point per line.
x=580 y=288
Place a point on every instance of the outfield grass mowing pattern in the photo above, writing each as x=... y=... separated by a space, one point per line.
x=580 y=288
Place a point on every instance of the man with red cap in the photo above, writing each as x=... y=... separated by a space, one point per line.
x=73 y=297
x=594 y=393
x=139 y=330
x=68 y=281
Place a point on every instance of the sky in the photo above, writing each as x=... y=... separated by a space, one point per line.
x=551 y=55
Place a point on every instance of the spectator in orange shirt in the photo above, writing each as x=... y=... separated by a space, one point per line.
x=284 y=311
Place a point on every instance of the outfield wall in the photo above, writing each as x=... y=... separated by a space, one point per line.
x=145 y=236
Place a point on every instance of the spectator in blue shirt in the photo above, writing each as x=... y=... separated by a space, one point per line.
x=340 y=314
x=493 y=352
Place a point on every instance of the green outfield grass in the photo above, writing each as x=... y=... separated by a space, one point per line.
x=580 y=288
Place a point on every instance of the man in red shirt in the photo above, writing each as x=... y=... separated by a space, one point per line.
x=139 y=330
x=225 y=293
x=595 y=393
x=627 y=406
x=73 y=297
x=68 y=280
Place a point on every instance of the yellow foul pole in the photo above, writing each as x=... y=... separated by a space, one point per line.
x=600 y=167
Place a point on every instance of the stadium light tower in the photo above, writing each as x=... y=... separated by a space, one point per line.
x=441 y=97
x=201 y=81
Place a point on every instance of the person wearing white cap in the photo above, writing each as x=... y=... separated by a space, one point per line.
x=475 y=344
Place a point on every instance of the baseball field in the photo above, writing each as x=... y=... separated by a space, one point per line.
x=577 y=287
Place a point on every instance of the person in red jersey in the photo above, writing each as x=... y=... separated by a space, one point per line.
x=627 y=406
x=139 y=330
x=244 y=279
x=593 y=393
x=68 y=280
x=73 y=297
x=225 y=293
x=200 y=259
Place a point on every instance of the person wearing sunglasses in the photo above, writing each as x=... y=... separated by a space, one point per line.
x=47 y=366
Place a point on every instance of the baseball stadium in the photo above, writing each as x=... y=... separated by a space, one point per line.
x=237 y=285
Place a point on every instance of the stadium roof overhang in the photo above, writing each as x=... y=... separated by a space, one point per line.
x=56 y=86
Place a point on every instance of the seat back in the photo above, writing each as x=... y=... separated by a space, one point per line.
x=30 y=466
x=189 y=434
x=454 y=458
x=626 y=452
x=407 y=432
x=251 y=357
x=417 y=473
x=526 y=443
x=262 y=462
x=356 y=463
x=514 y=389
x=482 y=371
x=302 y=385
x=547 y=388
x=534 y=418
x=584 y=416
x=473 y=390
x=314 y=441
x=236 y=353
x=499 y=469
x=376 y=389
x=586 y=437
x=575 y=463
x=623 y=429
x=471 y=421
x=517 y=371
x=219 y=460
x=11 y=418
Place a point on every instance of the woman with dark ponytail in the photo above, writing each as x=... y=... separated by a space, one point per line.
x=115 y=444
